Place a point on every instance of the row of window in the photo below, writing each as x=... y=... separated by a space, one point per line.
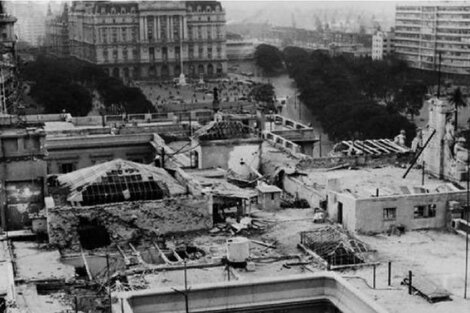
x=419 y=211
x=118 y=34
x=129 y=54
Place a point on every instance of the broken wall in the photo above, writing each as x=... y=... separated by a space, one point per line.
x=362 y=160
x=131 y=221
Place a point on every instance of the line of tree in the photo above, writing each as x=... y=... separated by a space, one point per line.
x=68 y=84
x=269 y=59
x=356 y=98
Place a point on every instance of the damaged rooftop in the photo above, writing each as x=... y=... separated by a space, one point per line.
x=365 y=182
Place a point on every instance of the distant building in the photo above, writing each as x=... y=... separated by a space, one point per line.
x=57 y=33
x=382 y=45
x=31 y=16
x=240 y=49
x=150 y=39
x=425 y=30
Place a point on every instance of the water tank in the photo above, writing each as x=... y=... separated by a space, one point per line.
x=238 y=249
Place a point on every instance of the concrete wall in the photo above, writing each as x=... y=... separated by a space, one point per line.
x=240 y=296
x=349 y=208
x=366 y=215
x=130 y=221
x=21 y=162
x=297 y=188
x=228 y=154
x=26 y=171
x=86 y=151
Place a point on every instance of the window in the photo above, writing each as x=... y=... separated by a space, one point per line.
x=67 y=168
x=390 y=214
x=134 y=34
x=124 y=33
x=425 y=211
x=272 y=195
x=104 y=34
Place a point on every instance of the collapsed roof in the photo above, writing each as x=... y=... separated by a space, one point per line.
x=223 y=130
x=117 y=181
x=369 y=147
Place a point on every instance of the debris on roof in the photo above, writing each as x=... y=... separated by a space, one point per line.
x=223 y=130
x=367 y=147
x=117 y=181
x=335 y=246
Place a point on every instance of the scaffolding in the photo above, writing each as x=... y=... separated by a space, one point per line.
x=336 y=247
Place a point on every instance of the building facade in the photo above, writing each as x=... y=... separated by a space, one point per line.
x=382 y=45
x=31 y=15
x=57 y=33
x=423 y=31
x=150 y=39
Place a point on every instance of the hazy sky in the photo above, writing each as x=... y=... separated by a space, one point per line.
x=302 y=13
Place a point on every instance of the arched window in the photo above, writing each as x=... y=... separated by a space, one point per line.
x=113 y=10
x=210 y=69
x=200 y=69
x=165 y=71
x=116 y=72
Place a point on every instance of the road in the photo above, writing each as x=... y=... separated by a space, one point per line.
x=296 y=110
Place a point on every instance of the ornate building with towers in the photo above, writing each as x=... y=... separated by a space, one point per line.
x=150 y=39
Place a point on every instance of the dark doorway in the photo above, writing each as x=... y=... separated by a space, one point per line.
x=340 y=213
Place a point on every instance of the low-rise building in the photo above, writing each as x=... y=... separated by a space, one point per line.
x=269 y=197
x=378 y=202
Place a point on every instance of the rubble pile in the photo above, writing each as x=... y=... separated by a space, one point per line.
x=131 y=221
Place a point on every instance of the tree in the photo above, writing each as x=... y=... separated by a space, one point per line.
x=409 y=99
x=347 y=96
x=269 y=59
x=265 y=94
x=68 y=84
x=457 y=99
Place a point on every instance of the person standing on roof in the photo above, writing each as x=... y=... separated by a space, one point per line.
x=400 y=139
